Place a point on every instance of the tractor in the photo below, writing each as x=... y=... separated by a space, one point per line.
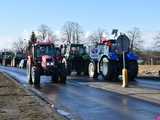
x=45 y=59
x=77 y=59
x=1 y=57
x=7 y=58
x=107 y=59
x=18 y=56
x=104 y=60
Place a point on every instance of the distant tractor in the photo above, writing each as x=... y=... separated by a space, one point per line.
x=45 y=59
x=7 y=58
x=1 y=57
x=104 y=60
x=77 y=59
x=18 y=56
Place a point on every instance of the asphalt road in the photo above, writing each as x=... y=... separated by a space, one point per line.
x=87 y=103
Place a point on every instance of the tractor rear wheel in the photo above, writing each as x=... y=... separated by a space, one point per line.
x=62 y=74
x=69 y=69
x=132 y=70
x=108 y=69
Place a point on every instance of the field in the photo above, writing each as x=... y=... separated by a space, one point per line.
x=149 y=70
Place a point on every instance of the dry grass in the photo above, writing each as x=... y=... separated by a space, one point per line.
x=18 y=104
x=149 y=70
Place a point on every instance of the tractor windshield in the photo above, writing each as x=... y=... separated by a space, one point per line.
x=8 y=54
x=45 y=50
x=77 y=50
x=19 y=55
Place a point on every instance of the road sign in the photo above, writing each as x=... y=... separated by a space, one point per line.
x=123 y=43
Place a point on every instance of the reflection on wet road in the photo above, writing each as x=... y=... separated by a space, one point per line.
x=88 y=103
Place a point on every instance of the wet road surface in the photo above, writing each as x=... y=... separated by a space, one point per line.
x=88 y=103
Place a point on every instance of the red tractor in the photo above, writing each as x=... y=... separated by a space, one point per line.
x=45 y=59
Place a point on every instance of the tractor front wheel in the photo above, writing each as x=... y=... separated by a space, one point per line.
x=35 y=77
x=29 y=77
x=92 y=69
x=55 y=77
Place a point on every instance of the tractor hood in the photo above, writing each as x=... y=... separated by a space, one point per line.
x=47 y=58
x=47 y=61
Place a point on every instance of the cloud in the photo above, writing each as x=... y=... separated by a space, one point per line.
x=87 y=34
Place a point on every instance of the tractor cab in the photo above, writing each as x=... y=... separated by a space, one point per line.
x=77 y=49
x=77 y=58
x=7 y=58
x=42 y=49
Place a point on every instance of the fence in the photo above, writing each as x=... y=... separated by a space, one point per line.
x=150 y=60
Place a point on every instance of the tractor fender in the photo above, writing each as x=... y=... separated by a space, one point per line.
x=132 y=56
x=64 y=61
x=113 y=56
x=103 y=57
x=29 y=60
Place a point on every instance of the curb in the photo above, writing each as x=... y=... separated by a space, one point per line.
x=149 y=78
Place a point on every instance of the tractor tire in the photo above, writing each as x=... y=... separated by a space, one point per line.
x=78 y=67
x=63 y=79
x=62 y=74
x=78 y=72
x=35 y=77
x=108 y=69
x=86 y=65
x=29 y=77
x=4 y=62
x=69 y=69
x=92 y=70
x=132 y=67
x=55 y=77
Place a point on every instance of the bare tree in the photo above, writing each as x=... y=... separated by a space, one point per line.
x=157 y=41
x=72 y=32
x=20 y=45
x=44 y=31
x=97 y=35
x=77 y=33
x=135 y=37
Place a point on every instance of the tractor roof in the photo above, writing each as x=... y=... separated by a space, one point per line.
x=77 y=45
x=43 y=43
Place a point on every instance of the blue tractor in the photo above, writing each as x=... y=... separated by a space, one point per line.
x=107 y=59
x=104 y=60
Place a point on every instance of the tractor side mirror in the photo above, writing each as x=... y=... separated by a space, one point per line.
x=115 y=32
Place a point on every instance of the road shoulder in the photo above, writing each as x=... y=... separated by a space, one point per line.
x=17 y=103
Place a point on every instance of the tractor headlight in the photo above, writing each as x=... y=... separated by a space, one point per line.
x=50 y=63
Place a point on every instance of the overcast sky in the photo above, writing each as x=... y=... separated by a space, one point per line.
x=19 y=17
